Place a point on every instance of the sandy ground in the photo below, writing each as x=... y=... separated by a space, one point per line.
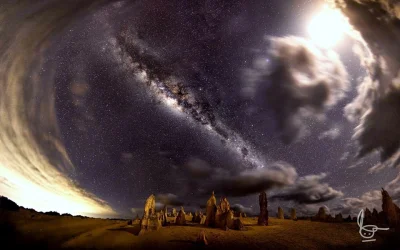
x=76 y=233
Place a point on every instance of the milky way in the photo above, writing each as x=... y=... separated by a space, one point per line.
x=171 y=91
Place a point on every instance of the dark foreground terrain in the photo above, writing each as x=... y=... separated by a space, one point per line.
x=28 y=229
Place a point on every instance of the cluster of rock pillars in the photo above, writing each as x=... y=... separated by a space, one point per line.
x=221 y=216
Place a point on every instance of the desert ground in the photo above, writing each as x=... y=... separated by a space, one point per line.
x=27 y=229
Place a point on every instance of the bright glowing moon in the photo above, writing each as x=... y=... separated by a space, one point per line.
x=328 y=27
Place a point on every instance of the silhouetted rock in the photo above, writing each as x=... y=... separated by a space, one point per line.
x=339 y=217
x=293 y=215
x=263 y=202
x=181 y=219
x=391 y=210
x=52 y=213
x=211 y=210
x=348 y=219
x=321 y=215
x=202 y=239
x=238 y=225
x=367 y=213
x=66 y=214
x=382 y=218
x=150 y=220
x=281 y=214
x=8 y=204
x=329 y=218
x=375 y=214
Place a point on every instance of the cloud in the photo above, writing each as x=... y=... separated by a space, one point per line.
x=251 y=181
x=331 y=134
x=377 y=104
x=301 y=81
x=240 y=208
x=393 y=188
x=137 y=211
x=371 y=199
x=198 y=177
x=353 y=205
x=310 y=209
x=33 y=158
x=169 y=199
x=308 y=190
x=239 y=183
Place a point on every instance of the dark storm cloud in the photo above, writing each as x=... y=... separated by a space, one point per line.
x=308 y=190
x=248 y=182
x=377 y=104
x=281 y=175
x=301 y=81
x=203 y=178
x=169 y=199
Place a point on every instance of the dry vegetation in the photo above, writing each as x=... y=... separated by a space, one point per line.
x=28 y=228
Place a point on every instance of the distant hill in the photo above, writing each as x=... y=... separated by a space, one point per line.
x=8 y=204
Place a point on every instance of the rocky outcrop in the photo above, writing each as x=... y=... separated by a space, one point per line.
x=181 y=219
x=150 y=220
x=293 y=215
x=220 y=216
x=224 y=205
x=164 y=216
x=348 y=219
x=238 y=225
x=174 y=213
x=375 y=214
x=197 y=217
x=263 y=202
x=202 y=219
x=211 y=210
x=223 y=216
x=224 y=220
x=281 y=214
x=321 y=215
x=390 y=210
x=339 y=217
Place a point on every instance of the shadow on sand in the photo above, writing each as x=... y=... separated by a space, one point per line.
x=132 y=230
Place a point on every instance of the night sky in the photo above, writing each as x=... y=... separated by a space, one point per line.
x=180 y=98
